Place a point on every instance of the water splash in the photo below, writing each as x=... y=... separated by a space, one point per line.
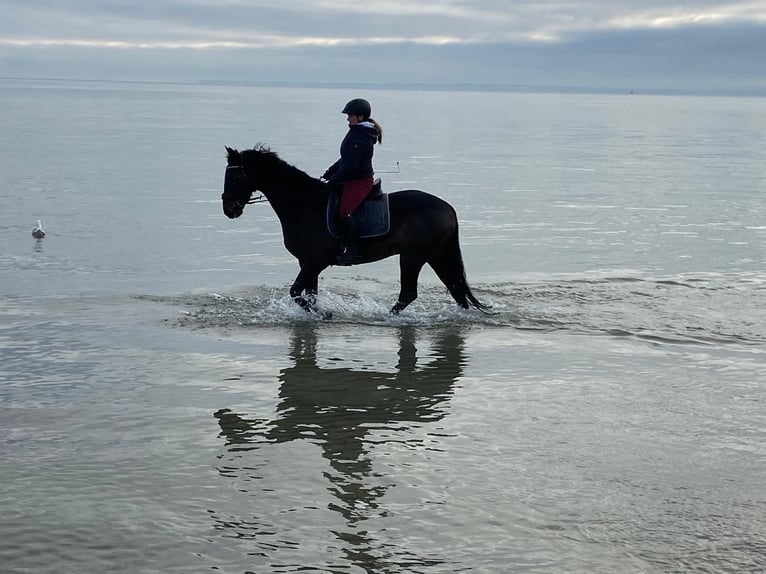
x=699 y=309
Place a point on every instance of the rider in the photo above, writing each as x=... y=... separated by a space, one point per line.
x=352 y=174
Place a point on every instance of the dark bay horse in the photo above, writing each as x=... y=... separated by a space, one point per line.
x=423 y=228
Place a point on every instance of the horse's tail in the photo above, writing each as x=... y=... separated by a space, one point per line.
x=448 y=266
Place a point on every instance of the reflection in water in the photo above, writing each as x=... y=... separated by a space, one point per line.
x=337 y=408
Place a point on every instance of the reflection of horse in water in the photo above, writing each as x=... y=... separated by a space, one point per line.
x=338 y=407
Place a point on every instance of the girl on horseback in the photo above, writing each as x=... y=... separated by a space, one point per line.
x=351 y=175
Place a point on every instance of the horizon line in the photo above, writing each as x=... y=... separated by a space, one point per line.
x=419 y=86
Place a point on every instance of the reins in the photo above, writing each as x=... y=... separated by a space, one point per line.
x=260 y=198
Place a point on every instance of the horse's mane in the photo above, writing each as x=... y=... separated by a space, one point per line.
x=273 y=169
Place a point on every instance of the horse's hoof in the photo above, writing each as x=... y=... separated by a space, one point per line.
x=324 y=315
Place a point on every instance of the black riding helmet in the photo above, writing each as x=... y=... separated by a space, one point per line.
x=358 y=107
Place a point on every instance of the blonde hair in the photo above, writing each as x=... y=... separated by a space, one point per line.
x=378 y=128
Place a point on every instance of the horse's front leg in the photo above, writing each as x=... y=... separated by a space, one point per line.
x=312 y=288
x=307 y=281
x=307 y=303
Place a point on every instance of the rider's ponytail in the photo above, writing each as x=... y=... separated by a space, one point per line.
x=378 y=129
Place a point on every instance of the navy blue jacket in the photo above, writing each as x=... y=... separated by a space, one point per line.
x=355 y=155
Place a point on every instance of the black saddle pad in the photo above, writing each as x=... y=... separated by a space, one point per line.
x=372 y=217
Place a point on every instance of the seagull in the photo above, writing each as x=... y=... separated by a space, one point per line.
x=38 y=231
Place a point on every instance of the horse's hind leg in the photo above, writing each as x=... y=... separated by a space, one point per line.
x=451 y=274
x=409 y=271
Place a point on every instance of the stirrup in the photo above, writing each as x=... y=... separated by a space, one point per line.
x=349 y=257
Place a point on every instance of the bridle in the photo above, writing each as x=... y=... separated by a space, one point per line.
x=260 y=198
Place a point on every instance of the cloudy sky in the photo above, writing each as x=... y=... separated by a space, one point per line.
x=698 y=45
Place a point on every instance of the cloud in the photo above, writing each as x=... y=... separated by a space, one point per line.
x=259 y=23
x=612 y=43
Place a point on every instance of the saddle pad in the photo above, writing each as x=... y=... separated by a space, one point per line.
x=372 y=217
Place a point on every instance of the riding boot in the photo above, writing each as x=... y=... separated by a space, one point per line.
x=349 y=236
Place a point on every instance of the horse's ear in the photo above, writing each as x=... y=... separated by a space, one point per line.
x=229 y=151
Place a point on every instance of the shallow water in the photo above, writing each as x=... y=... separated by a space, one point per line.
x=166 y=408
x=439 y=442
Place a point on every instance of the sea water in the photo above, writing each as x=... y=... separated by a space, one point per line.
x=167 y=408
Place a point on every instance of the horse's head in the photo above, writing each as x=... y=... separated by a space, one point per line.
x=237 y=186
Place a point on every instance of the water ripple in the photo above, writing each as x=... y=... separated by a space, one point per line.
x=684 y=310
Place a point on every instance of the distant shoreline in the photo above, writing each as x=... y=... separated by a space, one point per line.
x=411 y=86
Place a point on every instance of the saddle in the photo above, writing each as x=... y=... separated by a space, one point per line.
x=372 y=217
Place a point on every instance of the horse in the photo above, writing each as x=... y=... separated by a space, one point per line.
x=423 y=228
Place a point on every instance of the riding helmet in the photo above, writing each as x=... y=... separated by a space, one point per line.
x=358 y=107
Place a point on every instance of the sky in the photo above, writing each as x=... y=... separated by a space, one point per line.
x=705 y=46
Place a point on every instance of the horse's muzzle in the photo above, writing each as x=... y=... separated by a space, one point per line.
x=232 y=209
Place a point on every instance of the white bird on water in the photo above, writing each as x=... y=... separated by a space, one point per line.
x=38 y=231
